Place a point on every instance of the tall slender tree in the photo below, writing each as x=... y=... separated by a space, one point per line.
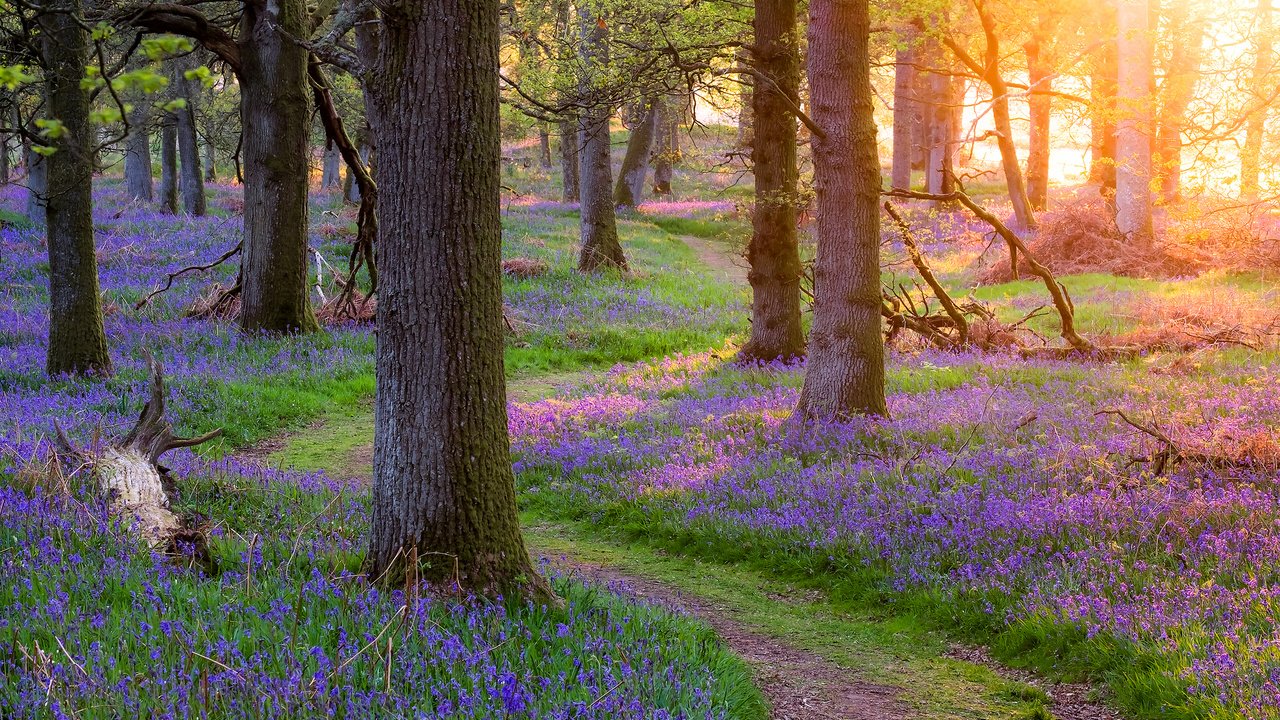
x=190 y=174
x=443 y=490
x=137 y=154
x=77 y=339
x=774 y=254
x=1260 y=82
x=1133 y=128
x=599 y=224
x=845 y=373
x=168 y=192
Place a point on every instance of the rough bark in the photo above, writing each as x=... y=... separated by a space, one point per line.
x=444 y=501
x=943 y=129
x=137 y=154
x=1177 y=91
x=168 y=194
x=599 y=226
x=37 y=185
x=77 y=340
x=1255 y=126
x=845 y=373
x=1133 y=127
x=773 y=253
x=275 y=112
x=906 y=113
x=629 y=190
x=1040 y=104
x=568 y=131
x=190 y=175
x=127 y=471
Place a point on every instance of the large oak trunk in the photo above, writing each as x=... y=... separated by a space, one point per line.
x=845 y=374
x=77 y=340
x=773 y=253
x=275 y=112
x=443 y=495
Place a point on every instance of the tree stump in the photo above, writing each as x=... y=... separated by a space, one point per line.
x=128 y=472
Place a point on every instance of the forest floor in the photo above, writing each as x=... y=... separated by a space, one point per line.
x=810 y=657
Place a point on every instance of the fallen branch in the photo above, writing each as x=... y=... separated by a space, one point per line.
x=193 y=268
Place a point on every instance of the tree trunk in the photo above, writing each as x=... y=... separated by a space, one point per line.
x=628 y=192
x=568 y=133
x=169 y=165
x=666 y=148
x=190 y=175
x=940 y=170
x=1255 y=125
x=905 y=113
x=331 y=177
x=275 y=112
x=746 y=103
x=37 y=185
x=1177 y=93
x=845 y=374
x=1102 y=120
x=137 y=154
x=210 y=166
x=5 y=170
x=544 y=146
x=1040 y=103
x=773 y=254
x=77 y=340
x=443 y=492
x=1133 y=129
x=599 y=227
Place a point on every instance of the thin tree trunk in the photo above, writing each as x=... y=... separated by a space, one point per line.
x=168 y=198
x=1255 y=126
x=77 y=340
x=444 y=500
x=544 y=146
x=845 y=373
x=190 y=175
x=629 y=190
x=1178 y=91
x=599 y=226
x=210 y=166
x=137 y=155
x=568 y=130
x=666 y=149
x=1102 y=120
x=940 y=171
x=773 y=254
x=331 y=177
x=1133 y=130
x=905 y=113
x=5 y=170
x=37 y=185
x=275 y=112
x=1039 y=75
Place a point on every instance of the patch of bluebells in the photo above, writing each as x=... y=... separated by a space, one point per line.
x=92 y=625
x=993 y=486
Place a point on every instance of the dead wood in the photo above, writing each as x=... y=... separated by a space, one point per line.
x=128 y=472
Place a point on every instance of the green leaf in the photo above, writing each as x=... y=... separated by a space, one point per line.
x=44 y=150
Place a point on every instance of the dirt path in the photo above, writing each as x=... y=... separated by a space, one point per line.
x=718 y=258
x=799 y=684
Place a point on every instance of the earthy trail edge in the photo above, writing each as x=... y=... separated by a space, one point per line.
x=799 y=684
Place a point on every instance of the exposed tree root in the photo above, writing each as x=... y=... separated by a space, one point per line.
x=128 y=472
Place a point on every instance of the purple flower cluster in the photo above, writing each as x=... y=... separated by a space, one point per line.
x=993 y=483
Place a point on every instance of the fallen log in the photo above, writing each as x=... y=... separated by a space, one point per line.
x=128 y=472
